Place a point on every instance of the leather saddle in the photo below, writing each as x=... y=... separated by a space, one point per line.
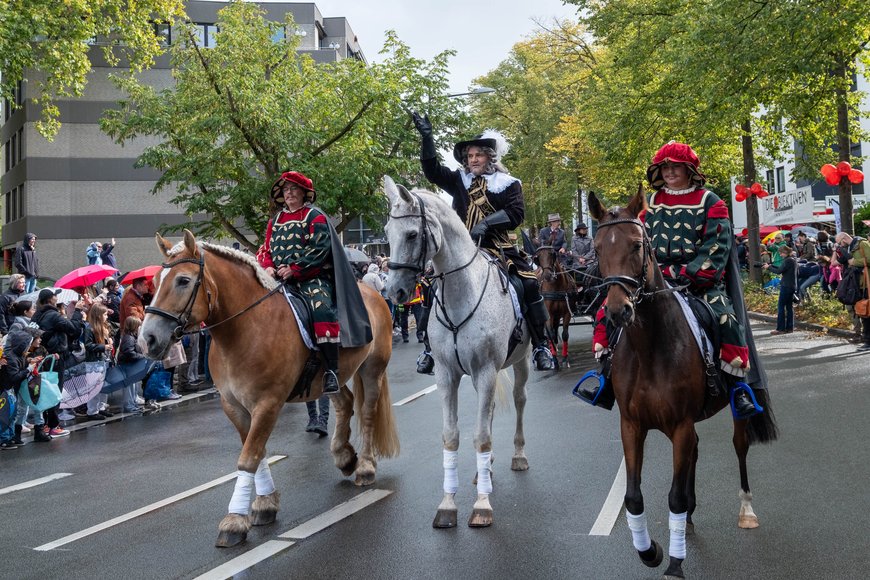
x=305 y=318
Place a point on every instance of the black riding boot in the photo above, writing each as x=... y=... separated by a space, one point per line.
x=537 y=317
x=330 y=377
x=425 y=362
x=742 y=406
x=600 y=394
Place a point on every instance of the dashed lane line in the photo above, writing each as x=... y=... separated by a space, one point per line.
x=306 y=530
x=416 y=396
x=612 y=505
x=33 y=482
x=143 y=510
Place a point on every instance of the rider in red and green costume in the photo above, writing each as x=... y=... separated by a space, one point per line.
x=690 y=235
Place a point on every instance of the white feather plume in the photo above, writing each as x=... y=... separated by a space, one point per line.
x=501 y=143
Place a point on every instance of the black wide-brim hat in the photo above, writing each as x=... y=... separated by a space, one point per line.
x=478 y=141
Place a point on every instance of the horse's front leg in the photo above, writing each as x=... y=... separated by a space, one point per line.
x=747 y=518
x=253 y=475
x=343 y=452
x=446 y=514
x=633 y=438
x=484 y=383
x=566 y=321
x=519 y=462
x=685 y=442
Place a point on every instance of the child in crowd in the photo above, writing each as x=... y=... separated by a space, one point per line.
x=99 y=347
x=129 y=354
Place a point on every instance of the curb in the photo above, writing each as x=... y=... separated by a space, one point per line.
x=839 y=332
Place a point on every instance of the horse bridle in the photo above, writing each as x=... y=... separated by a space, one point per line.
x=634 y=286
x=419 y=266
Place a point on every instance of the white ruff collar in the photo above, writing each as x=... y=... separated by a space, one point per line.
x=495 y=182
x=691 y=189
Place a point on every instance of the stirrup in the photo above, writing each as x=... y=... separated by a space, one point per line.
x=741 y=386
x=334 y=383
x=548 y=364
x=425 y=363
x=578 y=392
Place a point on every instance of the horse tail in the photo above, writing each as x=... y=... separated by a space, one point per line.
x=502 y=395
x=762 y=427
x=385 y=439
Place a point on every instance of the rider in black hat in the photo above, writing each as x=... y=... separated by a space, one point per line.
x=490 y=202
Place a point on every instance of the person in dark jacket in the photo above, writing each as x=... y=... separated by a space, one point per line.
x=787 y=287
x=131 y=357
x=13 y=373
x=107 y=254
x=27 y=262
x=113 y=301
x=8 y=298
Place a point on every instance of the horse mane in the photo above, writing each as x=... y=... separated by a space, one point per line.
x=234 y=255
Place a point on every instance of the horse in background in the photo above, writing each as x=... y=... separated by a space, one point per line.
x=559 y=291
x=659 y=380
x=471 y=307
x=257 y=356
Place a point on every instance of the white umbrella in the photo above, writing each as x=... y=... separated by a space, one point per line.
x=356 y=256
x=65 y=296
x=809 y=230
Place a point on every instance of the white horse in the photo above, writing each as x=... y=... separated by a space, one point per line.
x=471 y=321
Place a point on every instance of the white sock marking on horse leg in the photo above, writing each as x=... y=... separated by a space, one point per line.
x=451 y=475
x=677 y=525
x=484 y=473
x=263 y=479
x=241 y=500
x=746 y=503
x=639 y=532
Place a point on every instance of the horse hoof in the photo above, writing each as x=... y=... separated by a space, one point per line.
x=263 y=517
x=363 y=479
x=265 y=509
x=653 y=556
x=348 y=469
x=480 y=518
x=520 y=464
x=748 y=522
x=444 y=519
x=675 y=569
x=227 y=539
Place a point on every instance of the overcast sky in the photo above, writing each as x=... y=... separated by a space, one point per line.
x=481 y=32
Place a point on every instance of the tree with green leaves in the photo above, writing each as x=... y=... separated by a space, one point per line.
x=49 y=44
x=249 y=108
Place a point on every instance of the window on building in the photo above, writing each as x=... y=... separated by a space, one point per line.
x=13 y=150
x=210 y=32
x=21 y=209
x=13 y=202
x=6 y=109
x=164 y=33
x=780 y=179
x=20 y=145
x=7 y=167
x=770 y=185
x=7 y=200
x=279 y=34
x=199 y=34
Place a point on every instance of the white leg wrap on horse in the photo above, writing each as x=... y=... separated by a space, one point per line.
x=484 y=473
x=451 y=475
x=639 y=532
x=263 y=479
x=677 y=525
x=241 y=500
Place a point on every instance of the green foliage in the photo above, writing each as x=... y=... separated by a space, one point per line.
x=819 y=309
x=863 y=214
x=47 y=43
x=249 y=108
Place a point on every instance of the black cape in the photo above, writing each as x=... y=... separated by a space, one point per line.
x=756 y=377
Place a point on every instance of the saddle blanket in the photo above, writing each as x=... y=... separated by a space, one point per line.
x=505 y=281
x=302 y=316
x=700 y=335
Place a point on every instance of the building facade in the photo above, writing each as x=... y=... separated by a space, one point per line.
x=82 y=187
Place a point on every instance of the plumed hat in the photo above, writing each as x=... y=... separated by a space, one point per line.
x=675 y=152
x=297 y=178
x=489 y=138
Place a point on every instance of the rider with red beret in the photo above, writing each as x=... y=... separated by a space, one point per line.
x=691 y=237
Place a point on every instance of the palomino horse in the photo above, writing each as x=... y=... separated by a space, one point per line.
x=257 y=356
x=559 y=291
x=659 y=380
x=472 y=320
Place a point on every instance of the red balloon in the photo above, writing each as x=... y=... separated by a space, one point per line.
x=833 y=179
x=844 y=167
x=827 y=169
x=763 y=193
x=756 y=188
x=856 y=176
x=740 y=196
x=740 y=188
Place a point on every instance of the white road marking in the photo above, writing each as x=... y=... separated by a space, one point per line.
x=246 y=560
x=336 y=514
x=416 y=396
x=612 y=505
x=33 y=482
x=143 y=510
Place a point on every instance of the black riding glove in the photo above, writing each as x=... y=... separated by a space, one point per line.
x=427 y=143
x=499 y=218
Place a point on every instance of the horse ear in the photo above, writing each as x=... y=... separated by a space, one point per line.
x=596 y=209
x=390 y=188
x=162 y=244
x=190 y=243
x=638 y=206
x=406 y=195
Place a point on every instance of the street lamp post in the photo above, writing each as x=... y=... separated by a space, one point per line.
x=473 y=91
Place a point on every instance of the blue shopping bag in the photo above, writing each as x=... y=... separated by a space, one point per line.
x=40 y=390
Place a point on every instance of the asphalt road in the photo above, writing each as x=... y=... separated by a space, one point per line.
x=809 y=489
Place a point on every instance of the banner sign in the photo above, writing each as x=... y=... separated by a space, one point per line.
x=789 y=207
x=857 y=200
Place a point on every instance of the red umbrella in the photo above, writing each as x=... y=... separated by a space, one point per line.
x=85 y=276
x=147 y=272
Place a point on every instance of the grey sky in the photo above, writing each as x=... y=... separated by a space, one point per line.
x=481 y=32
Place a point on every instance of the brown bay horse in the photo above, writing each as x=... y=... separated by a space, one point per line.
x=257 y=355
x=659 y=380
x=559 y=291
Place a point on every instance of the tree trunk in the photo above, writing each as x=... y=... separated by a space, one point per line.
x=752 y=225
x=845 y=146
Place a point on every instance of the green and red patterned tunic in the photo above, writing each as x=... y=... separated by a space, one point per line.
x=301 y=240
x=691 y=237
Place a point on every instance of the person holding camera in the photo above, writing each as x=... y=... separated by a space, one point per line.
x=787 y=287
